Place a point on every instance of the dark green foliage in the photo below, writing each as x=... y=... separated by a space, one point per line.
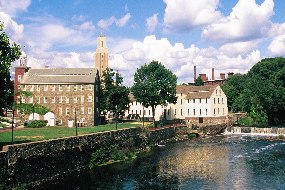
x=260 y=91
x=199 y=82
x=8 y=53
x=154 y=85
x=114 y=96
x=35 y=124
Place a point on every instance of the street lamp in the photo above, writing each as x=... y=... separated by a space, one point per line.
x=75 y=122
x=116 y=117
x=12 y=126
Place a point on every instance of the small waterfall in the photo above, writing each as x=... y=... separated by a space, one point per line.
x=273 y=131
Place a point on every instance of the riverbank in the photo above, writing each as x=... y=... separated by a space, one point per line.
x=37 y=162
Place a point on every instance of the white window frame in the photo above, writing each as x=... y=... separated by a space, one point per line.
x=60 y=87
x=89 y=110
x=67 y=100
x=31 y=88
x=45 y=87
x=45 y=100
x=67 y=87
x=53 y=100
x=60 y=99
x=53 y=88
x=67 y=111
x=90 y=98
x=38 y=88
x=75 y=100
x=82 y=99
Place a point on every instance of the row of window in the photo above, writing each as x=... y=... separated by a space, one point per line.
x=60 y=99
x=58 y=87
x=80 y=111
x=195 y=112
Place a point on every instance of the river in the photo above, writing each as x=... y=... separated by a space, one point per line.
x=220 y=162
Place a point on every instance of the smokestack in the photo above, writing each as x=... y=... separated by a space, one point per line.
x=213 y=74
x=195 y=73
x=223 y=76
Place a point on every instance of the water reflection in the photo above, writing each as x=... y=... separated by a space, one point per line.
x=213 y=163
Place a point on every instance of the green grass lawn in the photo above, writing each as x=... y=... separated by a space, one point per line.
x=38 y=134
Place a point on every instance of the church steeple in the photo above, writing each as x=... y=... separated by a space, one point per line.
x=101 y=55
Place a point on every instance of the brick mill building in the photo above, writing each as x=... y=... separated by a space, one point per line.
x=69 y=93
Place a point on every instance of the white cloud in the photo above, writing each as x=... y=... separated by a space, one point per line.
x=181 y=59
x=106 y=23
x=277 y=46
x=13 y=7
x=151 y=23
x=124 y=20
x=247 y=21
x=238 y=48
x=88 y=25
x=12 y=28
x=184 y=15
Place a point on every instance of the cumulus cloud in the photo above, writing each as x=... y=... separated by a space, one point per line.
x=12 y=28
x=88 y=25
x=151 y=23
x=106 y=23
x=238 y=48
x=247 y=21
x=180 y=59
x=277 y=46
x=184 y=15
x=14 y=7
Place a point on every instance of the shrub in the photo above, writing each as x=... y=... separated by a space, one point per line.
x=35 y=124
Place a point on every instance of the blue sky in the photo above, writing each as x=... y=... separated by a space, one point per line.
x=230 y=36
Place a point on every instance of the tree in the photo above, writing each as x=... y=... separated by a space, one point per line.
x=199 y=82
x=8 y=54
x=154 y=85
x=114 y=95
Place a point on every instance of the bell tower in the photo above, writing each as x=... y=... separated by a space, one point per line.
x=20 y=71
x=101 y=55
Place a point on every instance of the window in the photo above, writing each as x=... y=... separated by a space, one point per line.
x=82 y=87
x=206 y=111
x=67 y=111
x=38 y=100
x=90 y=87
x=45 y=87
x=59 y=87
x=218 y=100
x=74 y=87
x=53 y=88
x=214 y=100
x=206 y=100
x=193 y=111
x=181 y=101
x=90 y=98
x=148 y=112
x=222 y=100
x=89 y=110
x=19 y=78
x=140 y=112
x=220 y=92
x=200 y=100
x=67 y=87
x=193 y=100
x=188 y=111
x=188 y=101
x=82 y=111
x=38 y=88
x=181 y=94
x=136 y=111
x=45 y=100
x=31 y=87
x=200 y=111
x=218 y=110
x=223 y=111
x=25 y=88
x=214 y=111
x=181 y=111
x=53 y=100
x=216 y=91
x=82 y=99
x=23 y=100
x=60 y=111
x=174 y=111
x=75 y=100
x=31 y=100
x=67 y=100
x=60 y=99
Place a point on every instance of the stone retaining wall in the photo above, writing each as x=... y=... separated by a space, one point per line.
x=40 y=161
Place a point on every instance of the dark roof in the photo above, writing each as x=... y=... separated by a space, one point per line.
x=60 y=76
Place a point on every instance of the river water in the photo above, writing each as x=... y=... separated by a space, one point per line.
x=221 y=162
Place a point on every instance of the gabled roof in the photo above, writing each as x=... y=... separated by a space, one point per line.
x=60 y=76
x=194 y=92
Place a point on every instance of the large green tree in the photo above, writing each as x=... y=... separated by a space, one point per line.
x=154 y=85
x=114 y=96
x=199 y=81
x=9 y=52
x=261 y=89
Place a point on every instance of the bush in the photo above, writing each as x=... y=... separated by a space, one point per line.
x=4 y=120
x=35 y=124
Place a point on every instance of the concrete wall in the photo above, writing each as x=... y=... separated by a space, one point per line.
x=39 y=161
x=254 y=130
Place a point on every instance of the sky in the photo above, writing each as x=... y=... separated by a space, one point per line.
x=228 y=35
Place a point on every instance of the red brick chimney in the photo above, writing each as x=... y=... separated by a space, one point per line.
x=223 y=76
x=213 y=74
x=203 y=77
